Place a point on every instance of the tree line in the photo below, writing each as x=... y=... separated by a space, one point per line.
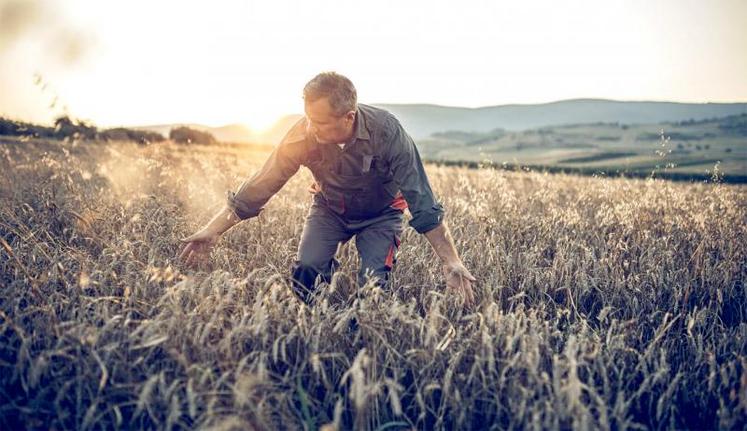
x=66 y=127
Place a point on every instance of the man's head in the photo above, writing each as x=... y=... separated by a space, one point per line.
x=330 y=102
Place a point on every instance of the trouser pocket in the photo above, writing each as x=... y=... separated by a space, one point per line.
x=391 y=257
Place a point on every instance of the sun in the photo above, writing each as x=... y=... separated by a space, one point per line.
x=260 y=120
x=260 y=124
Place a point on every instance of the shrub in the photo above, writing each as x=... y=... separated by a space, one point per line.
x=185 y=135
x=139 y=136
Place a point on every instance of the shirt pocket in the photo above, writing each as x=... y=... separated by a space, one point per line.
x=363 y=187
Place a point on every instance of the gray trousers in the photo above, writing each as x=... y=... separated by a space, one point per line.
x=377 y=240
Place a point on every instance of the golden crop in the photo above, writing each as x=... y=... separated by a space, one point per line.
x=603 y=303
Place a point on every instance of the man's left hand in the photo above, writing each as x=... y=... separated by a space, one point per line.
x=459 y=279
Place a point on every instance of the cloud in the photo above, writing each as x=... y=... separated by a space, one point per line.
x=41 y=46
x=70 y=46
x=65 y=42
x=17 y=19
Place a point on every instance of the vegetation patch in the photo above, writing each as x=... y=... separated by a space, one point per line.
x=603 y=303
x=596 y=157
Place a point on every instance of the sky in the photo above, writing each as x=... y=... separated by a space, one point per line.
x=221 y=62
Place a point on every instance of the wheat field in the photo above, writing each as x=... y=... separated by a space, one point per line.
x=603 y=303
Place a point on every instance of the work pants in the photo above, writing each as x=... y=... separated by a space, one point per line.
x=377 y=240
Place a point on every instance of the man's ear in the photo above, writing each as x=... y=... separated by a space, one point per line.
x=350 y=115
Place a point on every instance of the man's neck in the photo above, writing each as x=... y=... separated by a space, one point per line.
x=349 y=138
x=351 y=131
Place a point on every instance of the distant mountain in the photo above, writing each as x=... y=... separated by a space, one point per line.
x=278 y=130
x=688 y=147
x=422 y=120
x=233 y=132
x=164 y=129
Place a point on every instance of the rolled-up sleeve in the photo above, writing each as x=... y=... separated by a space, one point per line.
x=409 y=174
x=255 y=191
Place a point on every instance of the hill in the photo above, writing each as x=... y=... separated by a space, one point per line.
x=679 y=147
x=423 y=120
x=235 y=133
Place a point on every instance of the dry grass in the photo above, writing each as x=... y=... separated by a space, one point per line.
x=604 y=303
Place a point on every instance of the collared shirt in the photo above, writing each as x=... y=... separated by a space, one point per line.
x=374 y=170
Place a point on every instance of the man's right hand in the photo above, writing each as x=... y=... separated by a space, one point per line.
x=198 y=247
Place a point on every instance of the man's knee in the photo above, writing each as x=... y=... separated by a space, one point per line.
x=305 y=276
x=303 y=280
x=319 y=260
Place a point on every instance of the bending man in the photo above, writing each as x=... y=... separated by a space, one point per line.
x=367 y=171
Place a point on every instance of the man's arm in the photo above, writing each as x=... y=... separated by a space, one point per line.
x=251 y=197
x=409 y=175
x=198 y=245
x=427 y=213
x=222 y=221
x=254 y=193
x=443 y=244
x=457 y=275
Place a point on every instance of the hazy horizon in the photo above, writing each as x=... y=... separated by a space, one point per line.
x=278 y=119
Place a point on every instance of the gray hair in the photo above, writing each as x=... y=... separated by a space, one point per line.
x=340 y=90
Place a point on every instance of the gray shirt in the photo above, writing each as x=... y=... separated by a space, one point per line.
x=374 y=170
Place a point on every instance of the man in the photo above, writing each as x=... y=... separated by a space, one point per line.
x=367 y=171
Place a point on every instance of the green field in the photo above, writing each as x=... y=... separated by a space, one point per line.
x=686 y=148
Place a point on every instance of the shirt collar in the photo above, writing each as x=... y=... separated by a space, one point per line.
x=359 y=127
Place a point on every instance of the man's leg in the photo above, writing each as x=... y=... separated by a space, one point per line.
x=322 y=232
x=377 y=246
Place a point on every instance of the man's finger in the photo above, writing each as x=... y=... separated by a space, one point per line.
x=467 y=292
x=468 y=298
x=188 y=250
x=185 y=251
x=466 y=274
x=462 y=272
x=192 y=259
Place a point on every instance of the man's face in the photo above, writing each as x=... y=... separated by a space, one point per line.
x=324 y=125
